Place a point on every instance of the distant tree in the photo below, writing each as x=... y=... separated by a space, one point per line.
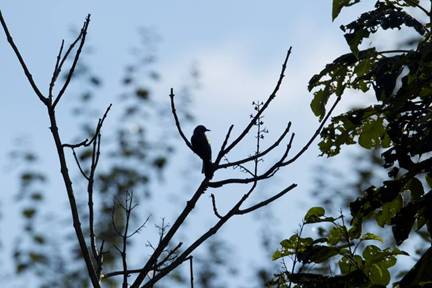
x=399 y=124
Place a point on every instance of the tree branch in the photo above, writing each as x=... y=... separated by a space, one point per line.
x=258 y=155
x=317 y=132
x=214 y=206
x=170 y=234
x=268 y=173
x=177 y=122
x=251 y=123
x=22 y=62
x=61 y=154
x=55 y=72
x=267 y=201
x=81 y=37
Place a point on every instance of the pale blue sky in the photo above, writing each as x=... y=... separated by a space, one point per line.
x=238 y=47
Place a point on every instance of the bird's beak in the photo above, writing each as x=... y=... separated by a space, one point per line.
x=207 y=130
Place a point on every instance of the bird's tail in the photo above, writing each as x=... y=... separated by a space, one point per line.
x=207 y=169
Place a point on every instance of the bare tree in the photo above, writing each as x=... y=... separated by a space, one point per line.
x=167 y=255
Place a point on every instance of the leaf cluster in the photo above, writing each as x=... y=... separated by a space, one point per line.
x=398 y=124
x=359 y=265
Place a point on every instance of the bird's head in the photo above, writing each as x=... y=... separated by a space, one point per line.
x=200 y=129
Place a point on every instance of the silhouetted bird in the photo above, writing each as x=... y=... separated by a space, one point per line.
x=201 y=147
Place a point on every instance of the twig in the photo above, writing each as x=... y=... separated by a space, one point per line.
x=225 y=142
x=214 y=206
x=82 y=38
x=267 y=201
x=317 y=132
x=95 y=156
x=59 y=145
x=186 y=253
x=251 y=123
x=79 y=165
x=124 y=237
x=169 y=255
x=177 y=122
x=191 y=271
x=86 y=142
x=22 y=62
x=261 y=154
x=55 y=72
x=416 y=4
x=170 y=234
x=263 y=176
x=295 y=260
x=99 y=260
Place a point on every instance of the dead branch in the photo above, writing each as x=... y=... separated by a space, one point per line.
x=58 y=142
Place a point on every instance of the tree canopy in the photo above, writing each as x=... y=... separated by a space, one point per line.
x=399 y=125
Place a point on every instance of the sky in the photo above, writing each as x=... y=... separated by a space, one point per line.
x=238 y=48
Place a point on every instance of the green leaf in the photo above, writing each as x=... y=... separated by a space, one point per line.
x=348 y=265
x=36 y=257
x=318 y=102
x=388 y=211
x=388 y=261
x=276 y=255
x=355 y=231
x=28 y=213
x=403 y=223
x=411 y=3
x=415 y=186
x=318 y=254
x=336 y=235
x=372 y=134
x=142 y=93
x=363 y=67
x=293 y=245
x=337 y=7
x=339 y=4
x=378 y=275
x=371 y=253
x=371 y=236
x=396 y=251
x=313 y=214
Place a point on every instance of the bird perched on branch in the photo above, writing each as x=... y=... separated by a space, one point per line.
x=201 y=147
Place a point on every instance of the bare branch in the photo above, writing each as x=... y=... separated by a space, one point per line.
x=99 y=260
x=267 y=201
x=93 y=275
x=317 y=132
x=79 y=165
x=214 y=206
x=269 y=100
x=186 y=253
x=267 y=174
x=225 y=142
x=22 y=62
x=281 y=163
x=137 y=230
x=55 y=72
x=170 y=234
x=177 y=122
x=95 y=156
x=86 y=142
x=258 y=155
x=416 y=4
x=191 y=271
x=169 y=255
x=81 y=37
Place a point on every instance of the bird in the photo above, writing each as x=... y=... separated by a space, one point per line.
x=202 y=148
